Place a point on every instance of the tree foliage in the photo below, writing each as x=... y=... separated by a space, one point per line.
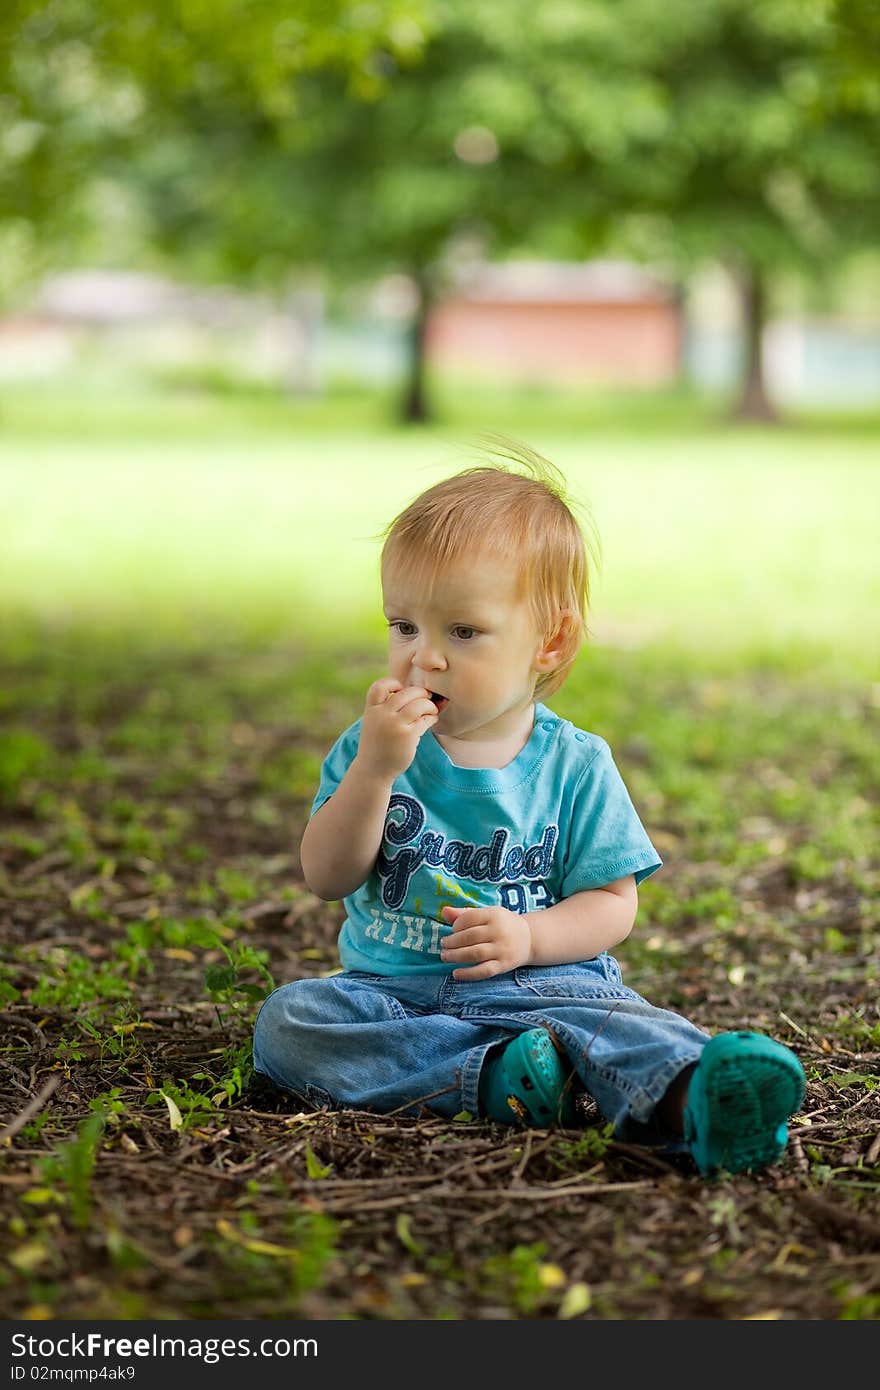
x=103 y=89
x=768 y=152
x=363 y=137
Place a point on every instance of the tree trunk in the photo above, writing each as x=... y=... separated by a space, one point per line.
x=679 y=304
x=414 y=408
x=753 y=402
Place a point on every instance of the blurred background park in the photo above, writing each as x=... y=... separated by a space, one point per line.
x=268 y=269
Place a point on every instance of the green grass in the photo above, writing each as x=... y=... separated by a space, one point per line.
x=152 y=800
x=180 y=510
x=167 y=560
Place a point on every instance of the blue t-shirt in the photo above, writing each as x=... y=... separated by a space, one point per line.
x=555 y=821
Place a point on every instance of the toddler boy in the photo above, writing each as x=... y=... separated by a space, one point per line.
x=489 y=855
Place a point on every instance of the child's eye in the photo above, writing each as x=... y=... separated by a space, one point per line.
x=403 y=628
x=464 y=633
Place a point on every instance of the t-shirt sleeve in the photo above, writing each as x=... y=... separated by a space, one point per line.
x=607 y=840
x=336 y=764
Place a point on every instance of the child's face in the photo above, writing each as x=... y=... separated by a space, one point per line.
x=473 y=642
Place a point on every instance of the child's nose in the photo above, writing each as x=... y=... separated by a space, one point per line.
x=428 y=658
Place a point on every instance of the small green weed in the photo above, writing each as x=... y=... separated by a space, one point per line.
x=284 y=1268
x=186 y=1106
x=8 y=991
x=234 y=1077
x=236 y=886
x=574 y=1154
x=520 y=1277
x=228 y=984
x=78 y=983
x=23 y=756
x=72 y=1166
x=856 y=1304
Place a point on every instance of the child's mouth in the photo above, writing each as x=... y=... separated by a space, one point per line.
x=440 y=701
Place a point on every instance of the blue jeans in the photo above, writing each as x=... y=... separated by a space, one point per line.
x=395 y=1043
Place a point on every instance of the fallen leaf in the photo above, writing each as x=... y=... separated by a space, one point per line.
x=41 y=1196
x=577 y=1300
x=175 y=1119
x=29 y=1256
x=256 y=1247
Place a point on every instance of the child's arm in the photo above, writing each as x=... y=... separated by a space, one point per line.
x=490 y=940
x=342 y=839
x=585 y=924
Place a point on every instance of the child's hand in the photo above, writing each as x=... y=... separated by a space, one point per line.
x=395 y=717
x=491 y=939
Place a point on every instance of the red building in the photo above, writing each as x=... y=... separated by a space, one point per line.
x=603 y=322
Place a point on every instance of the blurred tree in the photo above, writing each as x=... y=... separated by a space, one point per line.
x=484 y=141
x=232 y=133
x=853 y=71
x=744 y=131
x=458 y=158
x=358 y=166
x=393 y=135
x=56 y=113
x=91 y=89
x=768 y=153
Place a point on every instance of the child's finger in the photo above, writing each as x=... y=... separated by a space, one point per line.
x=477 y=952
x=417 y=709
x=479 y=972
x=464 y=936
x=406 y=695
x=457 y=914
x=380 y=690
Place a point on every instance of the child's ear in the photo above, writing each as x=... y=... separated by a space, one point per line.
x=556 y=646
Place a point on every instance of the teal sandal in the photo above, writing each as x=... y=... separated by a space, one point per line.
x=528 y=1083
x=742 y=1091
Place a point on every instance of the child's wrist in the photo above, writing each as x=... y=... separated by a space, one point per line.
x=376 y=778
x=530 y=927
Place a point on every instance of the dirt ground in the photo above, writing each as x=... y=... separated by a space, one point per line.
x=145 y=1173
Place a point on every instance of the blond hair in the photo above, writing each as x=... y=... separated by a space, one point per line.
x=520 y=514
